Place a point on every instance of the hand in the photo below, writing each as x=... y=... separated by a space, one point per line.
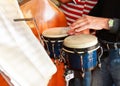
x=91 y=22
x=72 y=32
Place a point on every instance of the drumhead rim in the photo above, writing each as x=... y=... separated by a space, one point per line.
x=63 y=34
x=56 y=36
x=80 y=41
x=83 y=50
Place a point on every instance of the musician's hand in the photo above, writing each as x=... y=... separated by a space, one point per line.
x=91 y=22
x=72 y=32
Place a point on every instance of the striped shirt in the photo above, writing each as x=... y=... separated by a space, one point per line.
x=76 y=9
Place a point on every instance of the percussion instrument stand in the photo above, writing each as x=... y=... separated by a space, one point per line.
x=73 y=77
x=68 y=76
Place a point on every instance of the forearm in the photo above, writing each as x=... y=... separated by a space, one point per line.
x=111 y=24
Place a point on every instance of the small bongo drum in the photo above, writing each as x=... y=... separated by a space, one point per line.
x=53 y=40
x=80 y=52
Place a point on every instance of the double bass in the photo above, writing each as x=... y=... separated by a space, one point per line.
x=45 y=13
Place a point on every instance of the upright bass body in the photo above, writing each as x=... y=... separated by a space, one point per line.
x=46 y=14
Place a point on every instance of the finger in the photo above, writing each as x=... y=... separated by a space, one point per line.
x=79 y=21
x=79 y=24
x=77 y=33
x=82 y=28
x=71 y=32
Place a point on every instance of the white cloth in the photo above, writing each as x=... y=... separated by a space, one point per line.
x=22 y=57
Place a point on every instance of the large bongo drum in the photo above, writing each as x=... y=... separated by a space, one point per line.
x=81 y=55
x=53 y=40
x=80 y=52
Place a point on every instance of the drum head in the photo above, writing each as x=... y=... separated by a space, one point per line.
x=80 y=41
x=56 y=32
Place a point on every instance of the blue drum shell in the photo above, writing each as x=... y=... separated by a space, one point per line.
x=79 y=59
x=53 y=46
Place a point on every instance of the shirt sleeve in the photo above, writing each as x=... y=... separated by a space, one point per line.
x=97 y=10
x=76 y=1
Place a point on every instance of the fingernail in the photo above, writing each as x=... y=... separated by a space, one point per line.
x=76 y=30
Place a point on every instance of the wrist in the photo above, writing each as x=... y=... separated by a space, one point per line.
x=105 y=23
x=110 y=23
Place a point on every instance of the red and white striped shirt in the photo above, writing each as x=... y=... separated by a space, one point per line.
x=76 y=9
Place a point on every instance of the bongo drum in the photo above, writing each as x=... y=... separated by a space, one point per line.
x=53 y=40
x=80 y=52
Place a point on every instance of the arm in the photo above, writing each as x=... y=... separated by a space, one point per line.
x=96 y=23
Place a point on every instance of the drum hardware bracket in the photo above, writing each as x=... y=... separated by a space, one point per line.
x=108 y=47
x=81 y=60
x=53 y=51
x=119 y=52
x=57 y=61
x=115 y=45
x=62 y=57
x=99 y=57
x=68 y=76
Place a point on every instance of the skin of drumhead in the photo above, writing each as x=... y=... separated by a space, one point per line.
x=80 y=41
x=56 y=32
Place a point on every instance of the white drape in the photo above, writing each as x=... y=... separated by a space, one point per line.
x=22 y=57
